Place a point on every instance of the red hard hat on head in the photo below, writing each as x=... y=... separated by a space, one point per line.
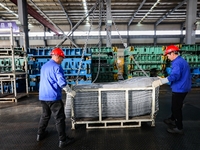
x=58 y=51
x=171 y=48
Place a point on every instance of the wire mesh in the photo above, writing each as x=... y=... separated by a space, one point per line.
x=110 y=99
x=140 y=102
x=113 y=103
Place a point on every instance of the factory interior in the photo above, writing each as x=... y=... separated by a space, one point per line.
x=113 y=53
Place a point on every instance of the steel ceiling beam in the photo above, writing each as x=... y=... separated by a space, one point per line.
x=136 y=12
x=78 y=23
x=169 y=12
x=39 y=18
x=46 y=16
x=65 y=13
x=71 y=26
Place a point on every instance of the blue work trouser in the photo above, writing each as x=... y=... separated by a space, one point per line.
x=176 y=108
x=57 y=109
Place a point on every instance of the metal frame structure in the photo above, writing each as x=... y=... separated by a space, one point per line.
x=53 y=14
x=14 y=75
x=127 y=12
x=116 y=122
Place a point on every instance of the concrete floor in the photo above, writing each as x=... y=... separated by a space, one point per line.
x=19 y=121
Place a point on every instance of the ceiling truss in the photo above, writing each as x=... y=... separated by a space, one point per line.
x=54 y=13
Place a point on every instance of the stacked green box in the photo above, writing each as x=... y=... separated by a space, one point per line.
x=188 y=48
x=191 y=53
x=104 y=64
x=149 y=58
x=6 y=64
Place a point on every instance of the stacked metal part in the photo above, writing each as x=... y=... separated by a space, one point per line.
x=111 y=99
x=6 y=62
x=36 y=58
x=76 y=68
x=77 y=65
x=104 y=64
x=6 y=67
x=149 y=58
x=191 y=53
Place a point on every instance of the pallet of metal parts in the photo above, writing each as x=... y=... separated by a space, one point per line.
x=104 y=77
x=126 y=103
x=74 y=82
x=145 y=59
x=103 y=50
x=13 y=76
x=134 y=50
x=195 y=73
x=73 y=78
x=143 y=66
x=103 y=60
x=43 y=51
x=73 y=51
x=192 y=59
x=195 y=80
x=189 y=47
x=103 y=69
x=136 y=73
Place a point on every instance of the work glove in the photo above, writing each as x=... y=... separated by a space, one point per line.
x=164 y=80
x=72 y=93
x=159 y=82
x=69 y=91
x=156 y=83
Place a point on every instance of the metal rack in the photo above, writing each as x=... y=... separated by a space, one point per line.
x=11 y=75
x=111 y=106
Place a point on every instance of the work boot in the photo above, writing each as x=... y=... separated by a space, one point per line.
x=41 y=136
x=169 y=122
x=175 y=131
x=63 y=144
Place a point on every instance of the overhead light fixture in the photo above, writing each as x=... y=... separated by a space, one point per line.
x=12 y=12
x=86 y=10
x=151 y=9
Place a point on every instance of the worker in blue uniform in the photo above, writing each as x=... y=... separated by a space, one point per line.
x=52 y=81
x=180 y=79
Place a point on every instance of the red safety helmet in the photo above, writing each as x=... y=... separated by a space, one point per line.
x=171 y=48
x=58 y=51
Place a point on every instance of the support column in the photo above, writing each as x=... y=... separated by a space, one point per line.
x=182 y=36
x=100 y=22
x=191 y=21
x=128 y=37
x=23 y=18
x=155 y=37
x=17 y=42
x=108 y=24
x=44 y=38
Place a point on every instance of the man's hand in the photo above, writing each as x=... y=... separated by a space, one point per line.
x=160 y=81
x=72 y=93
x=156 y=83
x=69 y=91
x=65 y=89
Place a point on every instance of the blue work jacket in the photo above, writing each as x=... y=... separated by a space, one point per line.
x=52 y=81
x=180 y=76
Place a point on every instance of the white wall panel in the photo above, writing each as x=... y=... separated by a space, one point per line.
x=85 y=29
x=169 y=40
x=141 y=27
x=141 y=41
x=169 y=27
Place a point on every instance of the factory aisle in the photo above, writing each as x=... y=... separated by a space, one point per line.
x=18 y=129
